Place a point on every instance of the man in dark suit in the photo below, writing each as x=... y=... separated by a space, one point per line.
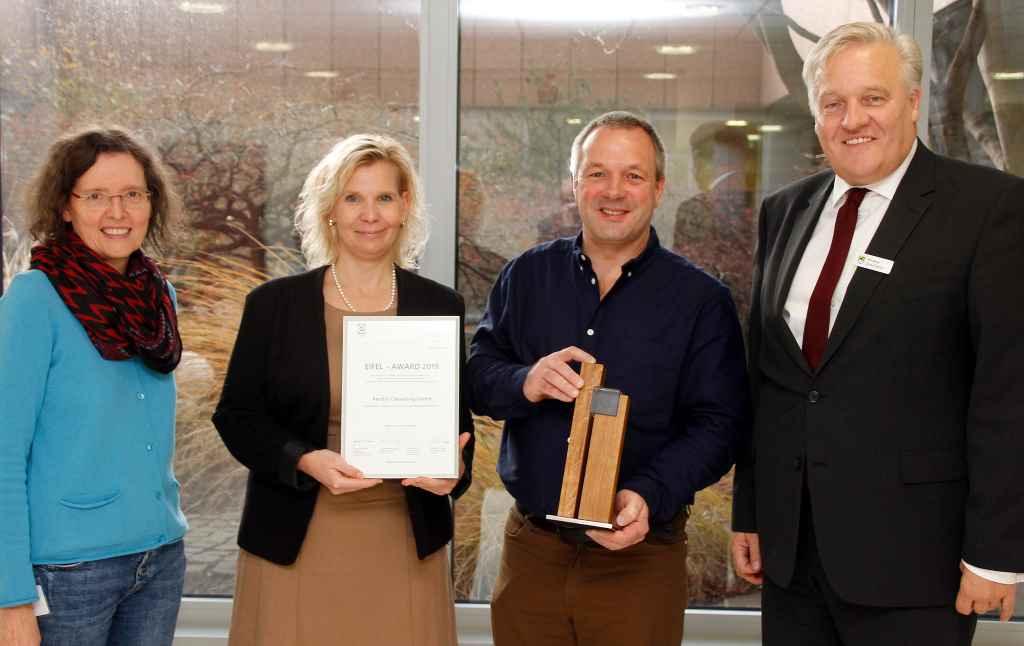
x=881 y=499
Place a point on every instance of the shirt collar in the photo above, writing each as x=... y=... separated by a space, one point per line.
x=653 y=244
x=885 y=187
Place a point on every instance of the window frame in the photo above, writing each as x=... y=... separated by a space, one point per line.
x=204 y=621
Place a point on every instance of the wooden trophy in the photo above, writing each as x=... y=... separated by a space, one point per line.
x=595 y=450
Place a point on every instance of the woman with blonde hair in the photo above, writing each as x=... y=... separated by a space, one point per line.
x=328 y=556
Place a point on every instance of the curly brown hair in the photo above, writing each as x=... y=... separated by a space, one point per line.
x=71 y=156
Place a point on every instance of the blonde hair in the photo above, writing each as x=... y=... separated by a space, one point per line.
x=860 y=33
x=329 y=177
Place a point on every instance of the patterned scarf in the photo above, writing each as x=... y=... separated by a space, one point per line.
x=124 y=314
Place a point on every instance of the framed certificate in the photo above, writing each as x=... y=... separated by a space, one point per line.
x=400 y=395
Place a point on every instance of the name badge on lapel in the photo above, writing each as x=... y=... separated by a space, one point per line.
x=874 y=263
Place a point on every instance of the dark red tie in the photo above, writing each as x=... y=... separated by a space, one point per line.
x=816 y=326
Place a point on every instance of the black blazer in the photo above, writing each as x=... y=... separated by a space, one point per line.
x=275 y=404
x=911 y=431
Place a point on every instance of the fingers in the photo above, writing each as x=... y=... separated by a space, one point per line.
x=346 y=469
x=552 y=378
x=337 y=462
x=463 y=441
x=964 y=604
x=980 y=595
x=439 y=486
x=754 y=544
x=334 y=472
x=323 y=464
x=632 y=521
x=345 y=478
x=631 y=505
x=572 y=353
x=746 y=557
x=342 y=484
x=1008 y=603
x=618 y=539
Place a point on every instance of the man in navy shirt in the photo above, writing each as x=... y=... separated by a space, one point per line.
x=669 y=338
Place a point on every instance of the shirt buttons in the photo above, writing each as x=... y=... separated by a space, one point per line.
x=593 y=281
x=583 y=257
x=149 y=447
x=814 y=396
x=629 y=274
x=590 y=331
x=141 y=396
x=158 y=495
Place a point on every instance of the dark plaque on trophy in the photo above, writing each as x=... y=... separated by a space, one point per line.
x=595 y=450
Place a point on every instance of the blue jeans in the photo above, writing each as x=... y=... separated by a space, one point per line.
x=123 y=601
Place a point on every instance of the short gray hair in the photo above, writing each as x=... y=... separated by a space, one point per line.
x=860 y=33
x=618 y=119
x=329 y=177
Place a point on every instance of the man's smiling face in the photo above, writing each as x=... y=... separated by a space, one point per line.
x=866 y=116
x=617 y=187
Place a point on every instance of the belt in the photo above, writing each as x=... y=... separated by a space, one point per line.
x=567 y=533
x=671 y=532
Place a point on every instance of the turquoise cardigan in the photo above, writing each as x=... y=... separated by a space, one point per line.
x=86 y=444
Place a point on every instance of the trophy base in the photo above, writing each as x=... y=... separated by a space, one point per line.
x=579 y=521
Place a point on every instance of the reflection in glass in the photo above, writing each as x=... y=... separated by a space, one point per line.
x=977 y=87
x=977 y=94
x=724 y=90
x=240 y=99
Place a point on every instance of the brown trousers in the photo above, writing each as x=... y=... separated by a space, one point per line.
x=551 y=593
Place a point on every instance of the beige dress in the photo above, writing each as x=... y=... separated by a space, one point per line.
x=357 y=580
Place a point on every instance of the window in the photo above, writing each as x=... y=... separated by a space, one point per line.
x=733 y=114
x=240 y=99
x=977 y=86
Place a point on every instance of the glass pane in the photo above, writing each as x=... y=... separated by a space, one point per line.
x=721 y=83
x=241 y=99
x=976 y=111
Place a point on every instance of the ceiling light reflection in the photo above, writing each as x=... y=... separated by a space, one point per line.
x=584 y=11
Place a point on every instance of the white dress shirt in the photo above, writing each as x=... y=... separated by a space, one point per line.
x=869 y=216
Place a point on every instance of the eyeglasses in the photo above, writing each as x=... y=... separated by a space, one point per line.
x=98 y=201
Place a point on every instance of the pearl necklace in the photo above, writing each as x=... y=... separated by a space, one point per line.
x=348 y=304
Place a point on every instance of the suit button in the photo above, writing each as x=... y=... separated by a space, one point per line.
x=798 y=463
x=813 y=396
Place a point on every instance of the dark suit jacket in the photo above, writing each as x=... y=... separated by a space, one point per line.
x=275 y=404
x=911 y=432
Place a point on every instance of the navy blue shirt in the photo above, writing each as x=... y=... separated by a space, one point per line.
x=669 y=337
